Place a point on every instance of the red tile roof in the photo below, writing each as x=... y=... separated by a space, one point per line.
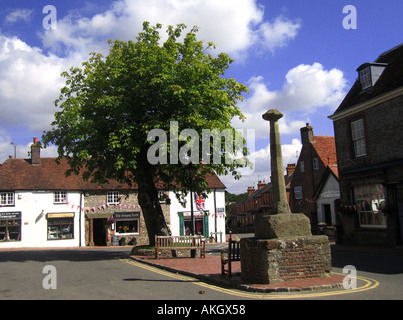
x=325 y=146
x=19 y=174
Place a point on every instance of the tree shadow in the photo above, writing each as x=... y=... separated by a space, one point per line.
x=79 y=254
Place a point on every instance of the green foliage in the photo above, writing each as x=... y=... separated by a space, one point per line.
x=108 y=106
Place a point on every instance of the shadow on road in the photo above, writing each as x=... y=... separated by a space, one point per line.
x=84 y=254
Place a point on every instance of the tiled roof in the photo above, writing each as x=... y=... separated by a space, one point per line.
x=19 y=174
x=391 y=78
x=325 y=146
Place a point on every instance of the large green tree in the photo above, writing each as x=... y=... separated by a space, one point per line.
x=109 y=106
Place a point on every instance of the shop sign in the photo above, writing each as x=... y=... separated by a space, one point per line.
x=10 y=215
x=126 y=215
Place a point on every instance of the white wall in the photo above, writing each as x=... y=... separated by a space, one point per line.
x=176 y=207
x=330 y=193
x=34 y=207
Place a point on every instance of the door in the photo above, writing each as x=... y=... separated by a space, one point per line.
x=328 y=214
x=99 y=232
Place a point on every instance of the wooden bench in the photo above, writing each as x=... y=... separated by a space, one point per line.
x=180 y=243
x=233 y=254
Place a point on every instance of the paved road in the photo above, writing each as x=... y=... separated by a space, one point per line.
x=106 y=274
x=92 y=274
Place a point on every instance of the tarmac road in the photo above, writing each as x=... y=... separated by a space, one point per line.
x=105 y=273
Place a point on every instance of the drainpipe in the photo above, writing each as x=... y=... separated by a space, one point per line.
x=215 y=217
x=79 y=218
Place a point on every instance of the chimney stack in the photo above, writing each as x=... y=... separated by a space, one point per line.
x=260 y=185
x=291 y=168
x=36 y=152
x=251 y=190
x=306 y=134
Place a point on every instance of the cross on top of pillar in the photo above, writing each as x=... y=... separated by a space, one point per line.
x=272 y=115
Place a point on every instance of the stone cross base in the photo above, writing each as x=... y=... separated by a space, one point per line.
x=282 y=225
x=267 y=261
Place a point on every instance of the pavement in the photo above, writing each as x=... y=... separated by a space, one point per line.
x=209 y=269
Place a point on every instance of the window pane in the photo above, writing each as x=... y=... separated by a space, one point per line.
x=358 y=137
x=112 y=197
x=127 y=226
x=370 y=200
x=59 y=229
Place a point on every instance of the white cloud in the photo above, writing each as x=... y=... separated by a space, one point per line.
x=29 y=83
x=306 y=89
x=233 y=25
x=19 y=15
x=277 y=34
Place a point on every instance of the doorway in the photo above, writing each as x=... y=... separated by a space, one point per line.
x=99 y=232
x=327 y=211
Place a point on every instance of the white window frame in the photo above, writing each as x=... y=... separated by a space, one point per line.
x=59 y=197
x=370 y=200
x=366 y=78
x=112 y=197
x=298 y=193
x=358 y=138
x=7 y=198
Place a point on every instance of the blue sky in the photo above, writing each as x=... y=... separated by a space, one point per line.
x=293 y=55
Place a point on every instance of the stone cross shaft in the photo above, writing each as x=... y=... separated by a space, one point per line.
x=280 y=204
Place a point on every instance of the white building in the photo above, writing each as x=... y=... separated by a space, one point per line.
x=326 y=197
x=41 y=207
x=209 y=215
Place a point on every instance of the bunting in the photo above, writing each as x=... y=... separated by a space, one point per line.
x=103 y=207
x=362 y=204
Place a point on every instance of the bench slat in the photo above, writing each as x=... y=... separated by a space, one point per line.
x=233 y=254
x=178 y=243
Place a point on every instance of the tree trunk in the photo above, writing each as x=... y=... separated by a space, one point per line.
x=150 y=205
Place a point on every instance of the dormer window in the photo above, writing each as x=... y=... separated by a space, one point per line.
x=365 y=78
x=369 y=73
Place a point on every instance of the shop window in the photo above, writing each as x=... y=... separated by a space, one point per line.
x=370 y=202
x=201 y=224
x=127 y=226
x=127 y=222
x=60 y=228
x=10 y=226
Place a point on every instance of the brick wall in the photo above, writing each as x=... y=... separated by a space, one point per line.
x=278 y=260
x=96 y=199
x=384 y=135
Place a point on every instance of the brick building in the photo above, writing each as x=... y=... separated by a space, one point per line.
x=369 y=142
x=316 y=170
